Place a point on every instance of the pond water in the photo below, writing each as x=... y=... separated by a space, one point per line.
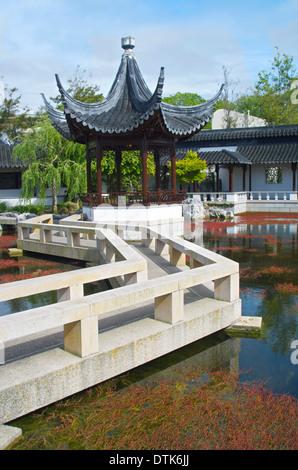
x=266 y=248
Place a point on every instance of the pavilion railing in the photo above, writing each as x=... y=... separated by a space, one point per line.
x=240 y=196
x=135 y=197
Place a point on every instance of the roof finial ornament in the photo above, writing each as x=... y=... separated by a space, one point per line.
x=128 y=43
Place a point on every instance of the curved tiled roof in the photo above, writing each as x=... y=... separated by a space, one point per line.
x=128 y=106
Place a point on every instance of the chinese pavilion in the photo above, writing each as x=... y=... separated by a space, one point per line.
x=130 y=118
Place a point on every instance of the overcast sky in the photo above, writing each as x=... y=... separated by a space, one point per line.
x=192 y=39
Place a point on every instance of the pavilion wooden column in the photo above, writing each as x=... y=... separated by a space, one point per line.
x=99 y=153
x=243 y=177
x=173 y=167
x=144 y=158
x=249 y=187
x=217 y=177
x=157 y=169
x=294 y=169
x=231 y=178
x=88 y=163
x=118 y=158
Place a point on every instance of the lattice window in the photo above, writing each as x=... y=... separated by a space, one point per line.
x=273 y=175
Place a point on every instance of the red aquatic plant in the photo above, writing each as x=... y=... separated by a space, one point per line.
x=268 y=218
x=257 y=294
x=265 y=273
x=18 y=263
x=8 y=241
x=218 y=413
x=5 y=278
x=229 y=248
x=287 y=288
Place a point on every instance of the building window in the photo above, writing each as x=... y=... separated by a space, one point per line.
x=9 y=180
x=273 y=174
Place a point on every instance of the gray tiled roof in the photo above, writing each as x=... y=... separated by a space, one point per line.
x=245 y=133
x=249 y=154
x=268 y=154
x=128 y=106
x=255 y=145
x=6 y=160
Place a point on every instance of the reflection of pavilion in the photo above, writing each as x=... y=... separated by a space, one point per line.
x=130 y=118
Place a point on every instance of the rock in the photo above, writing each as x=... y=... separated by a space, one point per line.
x=193 y=209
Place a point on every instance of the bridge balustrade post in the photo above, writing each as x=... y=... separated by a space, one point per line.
x=70 y=293
x=73 y=238
x=177 y=258
x=161 y=248
x=169 y=308
x=133 y=278
x=148 y=241
x=25 y=233
x=76 y=238
x=193 y=263
x=81 y=337
x=48 y=235
x=227 y=288
x=110 y=254
x=101 y=244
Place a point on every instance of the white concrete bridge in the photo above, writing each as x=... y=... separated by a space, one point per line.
x=158 y=304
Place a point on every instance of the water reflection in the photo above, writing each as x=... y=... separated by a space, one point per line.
x=213 y=352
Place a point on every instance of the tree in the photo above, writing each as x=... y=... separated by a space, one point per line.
x=52 y=161
x=80 y=90
x=191 y=169
x=12 y=121
x=184 y=99
x=271 y=97
x=227 y=102
x=131 y=170
x=281 y=76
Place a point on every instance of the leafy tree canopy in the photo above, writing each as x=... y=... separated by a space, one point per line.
x=184 y=99
x=80 y=89
x=13 y=120
x=271 y=96
x=51 y=161
x=190 y=169
x=131 y=170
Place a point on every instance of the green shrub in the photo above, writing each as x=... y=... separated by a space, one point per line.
x=3 y=207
